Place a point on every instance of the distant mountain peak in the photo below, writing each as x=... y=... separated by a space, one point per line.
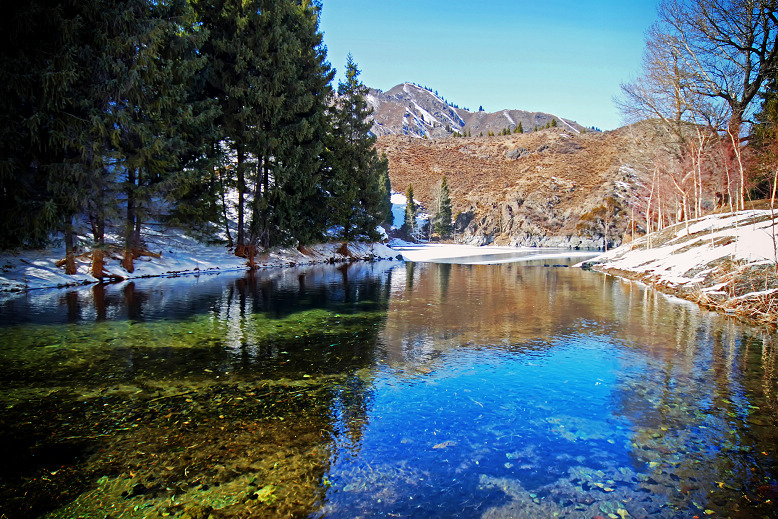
x=416 y=111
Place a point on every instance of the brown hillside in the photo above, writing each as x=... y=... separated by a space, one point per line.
x=521 y=189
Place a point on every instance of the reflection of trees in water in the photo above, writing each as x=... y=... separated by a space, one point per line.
x=251 y=384
x=447 y=306
x=691 y=399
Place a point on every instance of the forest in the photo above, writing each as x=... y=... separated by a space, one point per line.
x=219 y=116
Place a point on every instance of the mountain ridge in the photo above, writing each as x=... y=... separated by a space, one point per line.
x=412 y=110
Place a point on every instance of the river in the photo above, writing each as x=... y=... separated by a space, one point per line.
x=389 y=389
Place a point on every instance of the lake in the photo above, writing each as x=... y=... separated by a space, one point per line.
x=389 y=389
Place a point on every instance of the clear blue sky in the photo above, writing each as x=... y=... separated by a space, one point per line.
x=566 y=57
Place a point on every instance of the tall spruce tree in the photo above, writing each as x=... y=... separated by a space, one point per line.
x=410 y=212
x=37 y=67
x=385 y=192
x=442 y=222
x=98 y=105
x=358 y=176
x=291 y=125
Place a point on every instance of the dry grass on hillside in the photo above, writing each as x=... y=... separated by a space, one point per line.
x=553 y=174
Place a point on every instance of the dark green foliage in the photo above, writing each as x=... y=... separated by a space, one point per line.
x=118 y=113
x=518 y=128
x=94 y=103
x=410 y=212
x=553 y=123
x=442 y=222
x=764 y=142
x=358 y=178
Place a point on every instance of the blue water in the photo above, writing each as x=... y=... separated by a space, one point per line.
x=384 y=390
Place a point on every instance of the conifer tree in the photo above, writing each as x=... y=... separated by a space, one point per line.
x=410 y=212
x=442 y=223
x=385 y=192
x=101 y=102
x=359 y=177
x=291 y=126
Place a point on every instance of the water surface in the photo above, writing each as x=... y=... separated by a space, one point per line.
x=383 y=390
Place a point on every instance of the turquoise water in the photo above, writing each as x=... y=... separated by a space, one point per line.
x=384 y=390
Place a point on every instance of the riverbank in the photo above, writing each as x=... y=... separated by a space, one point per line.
x=177 y=254
x=723 y=262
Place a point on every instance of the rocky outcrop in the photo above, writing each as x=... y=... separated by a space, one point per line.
x=550 y=188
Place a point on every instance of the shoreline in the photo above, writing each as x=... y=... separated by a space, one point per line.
x=30 y=270
x=724 y=263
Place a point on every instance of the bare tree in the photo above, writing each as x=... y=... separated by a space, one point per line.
x=705 y=62
x=727 y=48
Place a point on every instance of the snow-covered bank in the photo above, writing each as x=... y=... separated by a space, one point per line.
x=472 y=254
x=725 y=262
x=178 y=254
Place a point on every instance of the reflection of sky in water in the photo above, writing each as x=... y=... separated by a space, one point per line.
x=525 y=414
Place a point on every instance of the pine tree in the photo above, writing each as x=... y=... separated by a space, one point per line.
x=103 y=102
x=553 y=123
x=291 y=125
x=385 y=192
x=764 y=140
x=442 y=224
x=518 y=128
x=359 y=178
x=410 y=212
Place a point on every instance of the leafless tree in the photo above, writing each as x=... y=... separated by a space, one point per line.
x=728 y=49
x=704 y=64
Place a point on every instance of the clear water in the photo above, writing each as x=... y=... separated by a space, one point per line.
x=383 y=390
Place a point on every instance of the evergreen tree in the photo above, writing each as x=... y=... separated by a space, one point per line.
x=36 y=66
x=442 y=223
x=102 y=103
x=291 y=125
x=553 y=123
x=385 y=192
x=410 y=212
x=519 y=128
x=359 y=178
x=764 y=140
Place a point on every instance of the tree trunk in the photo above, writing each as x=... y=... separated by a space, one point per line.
x=98 y=230
x=241 y=243
x=129 y=229
x=224 y=208
x=70 y=248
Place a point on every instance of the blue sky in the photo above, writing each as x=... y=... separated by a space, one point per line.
x=566 y=57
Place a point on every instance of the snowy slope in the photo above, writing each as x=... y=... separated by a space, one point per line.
x=722 y=261
x=179 y=254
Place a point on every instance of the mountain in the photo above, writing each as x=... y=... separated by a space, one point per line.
x=554 y=187
x=409 y=109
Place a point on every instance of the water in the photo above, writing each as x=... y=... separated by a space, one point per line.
x=383 y=390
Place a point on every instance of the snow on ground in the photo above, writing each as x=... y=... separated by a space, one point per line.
x=179 y=254
x=471 y=254
x=559 y=119
x=717 y=260
x=688 y=255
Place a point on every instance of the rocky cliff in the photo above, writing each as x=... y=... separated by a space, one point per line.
x=554 y=188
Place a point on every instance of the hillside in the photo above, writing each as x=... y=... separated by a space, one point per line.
x=530 y=189
x=408 y=109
